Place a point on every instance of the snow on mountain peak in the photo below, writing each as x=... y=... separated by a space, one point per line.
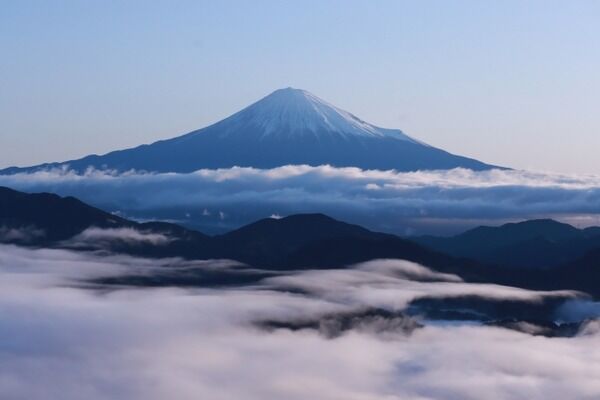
x=292 y=111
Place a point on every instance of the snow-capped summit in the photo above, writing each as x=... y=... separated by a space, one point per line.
x=289 y=126
x=292 y=111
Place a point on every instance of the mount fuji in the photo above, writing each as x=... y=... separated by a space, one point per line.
x=289 y=126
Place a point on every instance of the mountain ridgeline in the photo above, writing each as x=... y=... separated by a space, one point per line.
x=541 y=243
x=297 y=241
x=289 y=126
x=304 y=241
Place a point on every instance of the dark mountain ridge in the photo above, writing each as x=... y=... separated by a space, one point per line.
x=541 y=243
x=304 y=241
x=297 y=241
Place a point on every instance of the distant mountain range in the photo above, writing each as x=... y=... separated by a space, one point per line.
x=298 y=241
x=541 y=243
x=305 y=241
x=289 y=126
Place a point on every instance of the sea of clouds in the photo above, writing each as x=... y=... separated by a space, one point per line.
x=64 y=338
x=399 y=202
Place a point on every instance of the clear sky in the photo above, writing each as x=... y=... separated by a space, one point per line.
x=515 y=83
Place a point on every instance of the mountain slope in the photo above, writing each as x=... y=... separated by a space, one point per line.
x=539 y=243
x=309 y=241
x=297 y=241
x=45 y=219
x=289 y=126
x=269 y=240
x=317 y=241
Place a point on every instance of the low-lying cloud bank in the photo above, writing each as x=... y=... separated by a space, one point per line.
x=60 y=339
x=104 y=237
x=22 y=235
x=400 y=202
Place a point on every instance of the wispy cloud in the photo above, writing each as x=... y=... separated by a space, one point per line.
x=104 y=237
x=383 y=200
x=23 y=235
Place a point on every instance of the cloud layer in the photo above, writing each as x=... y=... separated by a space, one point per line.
x=414 y=202
x=22 y=234
x=104 y=237
x=61 y=339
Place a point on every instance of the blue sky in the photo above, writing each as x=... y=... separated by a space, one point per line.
x=512 y=82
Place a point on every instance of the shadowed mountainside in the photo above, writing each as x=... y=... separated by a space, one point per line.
x=541 y=243
x=304 y=241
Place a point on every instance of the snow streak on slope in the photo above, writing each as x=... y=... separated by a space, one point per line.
x=293 y=112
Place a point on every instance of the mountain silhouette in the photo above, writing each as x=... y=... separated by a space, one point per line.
x=289 y=126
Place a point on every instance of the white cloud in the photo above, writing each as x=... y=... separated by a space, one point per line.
x=22 y=234
x=101 y=237
x=383 y=200
x=391 y=284
x=59 y=340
